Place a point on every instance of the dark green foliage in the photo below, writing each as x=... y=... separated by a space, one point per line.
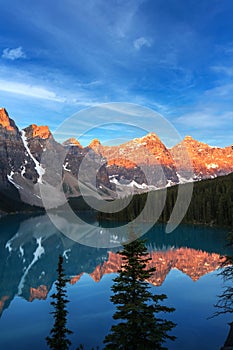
x=58 y=335
x=212 y=203
x=139 y=326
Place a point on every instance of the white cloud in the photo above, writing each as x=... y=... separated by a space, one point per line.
x=29 y=90
x=140 y=42
x=13 y=54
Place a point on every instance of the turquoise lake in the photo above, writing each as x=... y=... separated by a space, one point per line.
x=186 y=262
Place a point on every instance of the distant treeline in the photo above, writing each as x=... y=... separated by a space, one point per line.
x=212 y=204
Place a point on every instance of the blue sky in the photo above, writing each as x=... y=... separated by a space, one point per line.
x=174 y=56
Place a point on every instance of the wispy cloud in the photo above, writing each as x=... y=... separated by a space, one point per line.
x=140 y=42
x=205 y=118
x=13 y=54
x=90 y=84
x=223 y=69
x=29 y=90
x=51 y=86
x=223 y=91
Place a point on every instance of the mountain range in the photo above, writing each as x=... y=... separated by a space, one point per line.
x=31 y=159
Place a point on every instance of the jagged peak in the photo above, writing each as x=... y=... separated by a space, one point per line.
x=94 y=143
x=151 y=136
x=72 y=142
x=41 y=131
x=4 y=112
x=190 y=140
x=5 y=121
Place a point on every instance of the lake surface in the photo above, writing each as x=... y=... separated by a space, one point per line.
x=186 y=264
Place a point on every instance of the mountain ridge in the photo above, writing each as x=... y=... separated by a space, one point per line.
x=32 y=158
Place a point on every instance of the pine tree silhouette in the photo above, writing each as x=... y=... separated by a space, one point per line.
x=139 y=326
x=58 y=335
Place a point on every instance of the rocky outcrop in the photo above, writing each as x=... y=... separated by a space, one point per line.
x=41 y=132
x=5 y=121
x=96 y=146
x=72 y=142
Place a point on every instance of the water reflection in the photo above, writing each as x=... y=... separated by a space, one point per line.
x=30 y=246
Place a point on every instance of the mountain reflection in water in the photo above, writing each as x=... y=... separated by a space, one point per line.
x=30 y=246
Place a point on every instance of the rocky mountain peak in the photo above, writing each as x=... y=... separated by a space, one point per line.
x=72 y=142
x=95 y=144
x=189 y=140
x=5 y=121
x=151 y=137
x=206 y=161
x=151 y=150
x=34 y=130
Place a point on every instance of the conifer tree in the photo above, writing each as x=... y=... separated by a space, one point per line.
x=139 y=326
x=58 y=335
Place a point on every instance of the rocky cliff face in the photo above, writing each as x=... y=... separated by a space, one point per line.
x=16 y=165
x=13 y=156
x=5 y=121
x=93 y=173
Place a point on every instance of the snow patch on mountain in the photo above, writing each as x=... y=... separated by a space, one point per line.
x=183 y=180
x=10 y=179
x=65 y=167
x=23 y=171
x=39 y=169
x=133 y=184
x=169 y=183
